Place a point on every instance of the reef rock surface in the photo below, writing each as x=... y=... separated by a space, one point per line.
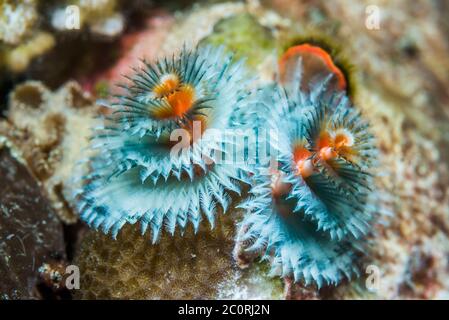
x=30 y=232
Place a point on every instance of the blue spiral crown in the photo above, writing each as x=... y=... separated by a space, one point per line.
x=308 y=213
x=136 y=176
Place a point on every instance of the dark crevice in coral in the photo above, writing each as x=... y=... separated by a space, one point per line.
x=7 y=83
x=136 y=13
x=46 y=292
x=72 y=236
x=83 y=55
x=411 y=50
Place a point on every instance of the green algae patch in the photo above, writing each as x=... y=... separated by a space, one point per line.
x=102 y=89
x=243 y=35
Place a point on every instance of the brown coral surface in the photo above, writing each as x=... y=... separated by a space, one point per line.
x=27 y=241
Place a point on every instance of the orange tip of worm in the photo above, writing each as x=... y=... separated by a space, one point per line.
x=314 y=58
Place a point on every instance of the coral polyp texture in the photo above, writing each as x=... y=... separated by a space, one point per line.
x=138 y=173
x=308 y=213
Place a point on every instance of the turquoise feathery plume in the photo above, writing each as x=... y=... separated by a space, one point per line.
x=308 y=213
x=141 y=171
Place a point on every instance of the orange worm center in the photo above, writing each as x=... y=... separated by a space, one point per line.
x=304 y=165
